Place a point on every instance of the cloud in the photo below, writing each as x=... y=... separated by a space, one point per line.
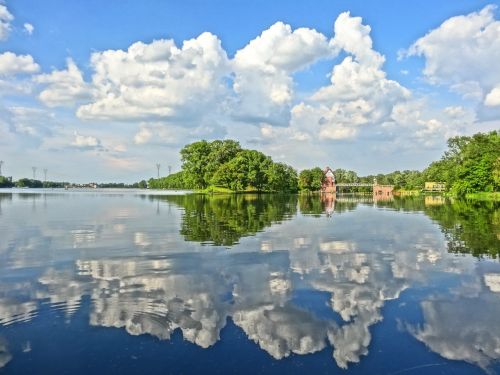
x=359 y=94
x=13 y=71
x=29 y=28
x=30 y=125
x=171 y=134
x=85 y=142
x=197 y=82
x=12 y=64
x=493 y=97
x=177 y=93
x=64 y=87
x=5 y=355
x=5 y=19
x=263 y=84
x=463 y=52
x=159 y=133
x=158 y=80
x=415 y=120
x=476 y=342
x=281 y=331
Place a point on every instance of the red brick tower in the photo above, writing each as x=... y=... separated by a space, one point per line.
x=329 y=183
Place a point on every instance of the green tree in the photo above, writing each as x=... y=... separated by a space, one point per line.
x=28 y=182
x=173 y=181
x=200 y=160
x=247 y=170
x=310 y=179
x=5 y=182
x=282 y=177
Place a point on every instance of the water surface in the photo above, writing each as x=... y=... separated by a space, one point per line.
x=134 y=282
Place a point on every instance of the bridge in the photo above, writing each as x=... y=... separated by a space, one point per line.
x=330 y=185
x=354 y=184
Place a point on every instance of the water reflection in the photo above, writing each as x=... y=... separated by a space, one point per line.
x=143 y=274
x=5 y=355
x=224 y=219
x=444 y=331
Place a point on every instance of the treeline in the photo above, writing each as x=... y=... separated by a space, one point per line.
x=175 y=181
x=6 y=182
x=311 y=179
x=469 y=165
x=120 y=185
x=224 y=164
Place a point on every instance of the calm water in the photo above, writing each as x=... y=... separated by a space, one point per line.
x=94 y=282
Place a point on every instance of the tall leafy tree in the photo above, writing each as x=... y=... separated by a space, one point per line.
x=200 y=160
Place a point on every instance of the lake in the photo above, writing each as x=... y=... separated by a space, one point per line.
x=135 y=282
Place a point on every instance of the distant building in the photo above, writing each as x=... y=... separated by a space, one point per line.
x=329 y=184
x=435 y=186
x=382 y=192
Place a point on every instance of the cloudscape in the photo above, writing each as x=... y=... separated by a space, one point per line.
x=98 y=91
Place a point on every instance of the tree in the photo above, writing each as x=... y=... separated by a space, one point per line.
x=282 y=177
x=310 y=179
x=247 y=170
x=469 y=165
x=200 y=160
x=5 y=182
x=173 y=181
x=30 y=183
x=194 y=162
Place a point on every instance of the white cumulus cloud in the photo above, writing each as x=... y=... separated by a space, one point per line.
x=82 y=141
x=359 y=94
x=157 y=80
x=463 y=52
x=263 y=84
x=63 y=87
x=493 y=97
x=5 y=19
x=12 y=64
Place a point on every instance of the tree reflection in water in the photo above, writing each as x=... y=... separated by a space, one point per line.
x=222 y=220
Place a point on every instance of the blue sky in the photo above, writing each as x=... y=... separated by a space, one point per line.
x=104 y=120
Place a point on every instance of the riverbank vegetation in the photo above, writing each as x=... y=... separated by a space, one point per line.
x=224 y=165
x=469 y=166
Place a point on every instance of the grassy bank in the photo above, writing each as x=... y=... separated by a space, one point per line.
x=223 y=190
x=406 y=193
x=484 y=196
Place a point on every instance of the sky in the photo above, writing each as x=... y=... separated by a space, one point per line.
x=103 y=90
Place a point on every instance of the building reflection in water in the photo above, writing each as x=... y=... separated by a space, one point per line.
x=168 y=284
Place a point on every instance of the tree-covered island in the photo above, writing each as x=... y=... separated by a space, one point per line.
x=223 y=165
